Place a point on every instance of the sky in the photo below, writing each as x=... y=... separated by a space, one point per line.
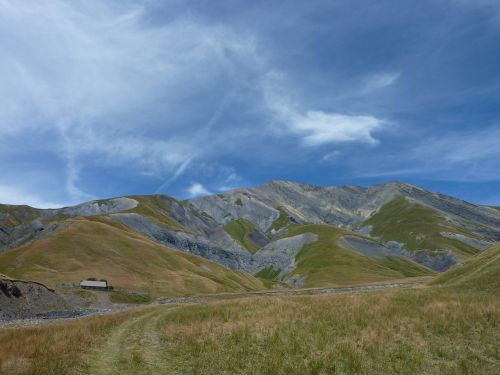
x=186 y=98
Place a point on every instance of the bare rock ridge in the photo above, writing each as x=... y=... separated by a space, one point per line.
x=255 y=229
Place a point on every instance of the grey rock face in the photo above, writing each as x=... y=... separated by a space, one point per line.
x=280 y=254
x=238 y=204
x=233 y=258
x=369 y=248
x=24 y=233
x=475 y=243
x=37 y=225
x=436 y=260
x=106 y=207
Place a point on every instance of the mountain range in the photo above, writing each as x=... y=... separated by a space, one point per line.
x=279 y=233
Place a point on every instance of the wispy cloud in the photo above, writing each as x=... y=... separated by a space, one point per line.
x=379 y=81
x=463 y=147
x=92 y=73
x=466 y=155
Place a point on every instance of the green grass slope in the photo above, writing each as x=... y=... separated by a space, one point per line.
x=281 y=222
x=101 y=248
x=418 y=227
x=481 y=272
x=325 y=263
x=240 y=231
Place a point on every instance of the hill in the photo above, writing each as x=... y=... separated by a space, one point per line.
x=325 y=263
x=479 y=273
x=98 y=247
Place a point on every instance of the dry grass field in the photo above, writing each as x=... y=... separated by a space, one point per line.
x=425 y=330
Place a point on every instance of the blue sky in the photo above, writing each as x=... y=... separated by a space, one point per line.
x=110 y=98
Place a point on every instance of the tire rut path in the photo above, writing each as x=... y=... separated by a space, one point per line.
x=133 y=347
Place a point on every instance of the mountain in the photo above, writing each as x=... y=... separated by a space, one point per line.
x=301 y=234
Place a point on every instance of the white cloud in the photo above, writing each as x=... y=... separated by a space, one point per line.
x=317 y=127
x=196 y=190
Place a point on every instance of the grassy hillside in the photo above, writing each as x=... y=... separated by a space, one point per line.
x=418 y=227
x=240 y=231
x=101 y=248
x=481 y=272
x=419 y=331
x=324 y=263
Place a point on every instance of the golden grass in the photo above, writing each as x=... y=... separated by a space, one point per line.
x=53 y=348
x=101 y=248
x=410 y=332
x=418 y=331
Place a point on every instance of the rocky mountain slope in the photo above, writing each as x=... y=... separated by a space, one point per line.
x=302 y=234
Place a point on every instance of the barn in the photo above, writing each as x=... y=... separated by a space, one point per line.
x=94 y=284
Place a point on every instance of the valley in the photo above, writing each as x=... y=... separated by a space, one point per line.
x=417 y=330
x=278 y=233
x=209 y=285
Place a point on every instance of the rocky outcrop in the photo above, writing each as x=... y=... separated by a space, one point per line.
x=104 y=207
x=280 y=254
x=369 y=248
x=435 y=260
x=21 y=299
x=234 y=258
x=474 y=242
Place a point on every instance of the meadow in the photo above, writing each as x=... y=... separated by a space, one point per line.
x=427 y=330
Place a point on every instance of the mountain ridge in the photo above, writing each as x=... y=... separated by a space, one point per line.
x=244 y=229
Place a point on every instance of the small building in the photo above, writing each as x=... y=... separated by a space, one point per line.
x=94 y=284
